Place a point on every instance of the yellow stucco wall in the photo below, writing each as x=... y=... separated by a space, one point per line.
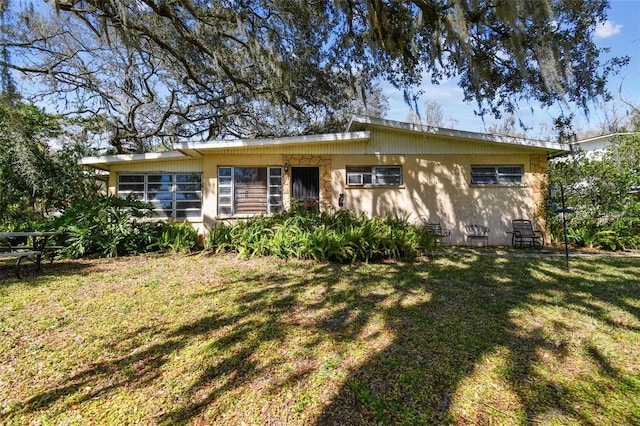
x=112 y=184
x=436 y=187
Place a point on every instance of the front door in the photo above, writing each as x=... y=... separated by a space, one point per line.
x=305 y=183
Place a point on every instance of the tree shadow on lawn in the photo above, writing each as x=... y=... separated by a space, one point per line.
x=434 y=325
x=137 y=368
x=141 y=365
x=441 y=329
x=426 y=375
x=30 y=274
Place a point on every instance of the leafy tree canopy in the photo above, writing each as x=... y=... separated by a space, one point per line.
x=604 y=190
x=35 y=180
x=191 y=68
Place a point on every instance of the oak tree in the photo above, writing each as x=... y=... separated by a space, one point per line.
x=192 y=68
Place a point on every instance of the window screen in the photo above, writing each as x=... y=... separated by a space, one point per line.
x=496 y=175
x=374 y=175
x=172 y=195
x=249 y=190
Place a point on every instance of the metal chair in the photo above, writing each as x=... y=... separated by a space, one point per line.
x=437 y=230
x=476 y=232
x=525 y=236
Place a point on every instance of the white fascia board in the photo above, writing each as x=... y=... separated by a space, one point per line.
x=607 y=137
x=104 y=162
x=204 y=147
x=595 y=139
x=360 y=123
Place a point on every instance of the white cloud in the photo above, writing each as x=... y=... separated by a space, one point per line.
x=607 y=29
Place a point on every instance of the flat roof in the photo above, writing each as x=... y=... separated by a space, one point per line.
x=606 y=137
x=104 y=161
x=357 y=130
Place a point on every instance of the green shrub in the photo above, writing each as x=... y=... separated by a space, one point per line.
x=177 y=237
x=112 y=226
x=308 y=232
x=603 y=192
x=220 y=239
x=108 y=226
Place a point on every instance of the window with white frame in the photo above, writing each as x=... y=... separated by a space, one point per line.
x=496 y=175
x=374 y=175
x=172 y=195
x=249 y=190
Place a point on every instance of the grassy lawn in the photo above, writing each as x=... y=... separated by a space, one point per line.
x=172 y=339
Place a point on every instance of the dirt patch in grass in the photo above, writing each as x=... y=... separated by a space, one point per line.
x=174 y=339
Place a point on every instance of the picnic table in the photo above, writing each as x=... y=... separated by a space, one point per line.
x=16 y=244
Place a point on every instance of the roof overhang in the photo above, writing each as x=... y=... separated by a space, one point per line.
x=198 y=149
x=187 y=150
x=105 y=162
x=357 y=131
x=551 y=148
x=606 y=137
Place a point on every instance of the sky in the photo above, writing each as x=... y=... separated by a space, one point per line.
x=620 y=33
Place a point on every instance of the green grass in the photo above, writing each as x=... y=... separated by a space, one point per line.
x=174 y=339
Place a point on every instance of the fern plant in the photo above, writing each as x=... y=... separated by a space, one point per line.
x=178 y=238
x=306 y=232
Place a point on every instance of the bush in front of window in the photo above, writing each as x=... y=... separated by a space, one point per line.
x=328 y=235
x=178 y=238
x=303 y=206
x=111 y=226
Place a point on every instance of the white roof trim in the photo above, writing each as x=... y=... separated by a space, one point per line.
x=358 y=122
x=103 y=162
x=605 y=137
x=188 y=150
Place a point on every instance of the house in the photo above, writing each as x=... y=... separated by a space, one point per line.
x=594 y=147
x=377 y=167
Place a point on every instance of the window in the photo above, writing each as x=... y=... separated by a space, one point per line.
x=374 y=175
x=175 y=196
x=249 y=190
x=496 y=175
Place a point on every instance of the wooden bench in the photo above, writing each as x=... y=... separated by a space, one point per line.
x=15 y=244
x=48 y=250
x=33 y=255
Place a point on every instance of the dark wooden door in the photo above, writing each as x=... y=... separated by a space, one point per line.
x=305 y=183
